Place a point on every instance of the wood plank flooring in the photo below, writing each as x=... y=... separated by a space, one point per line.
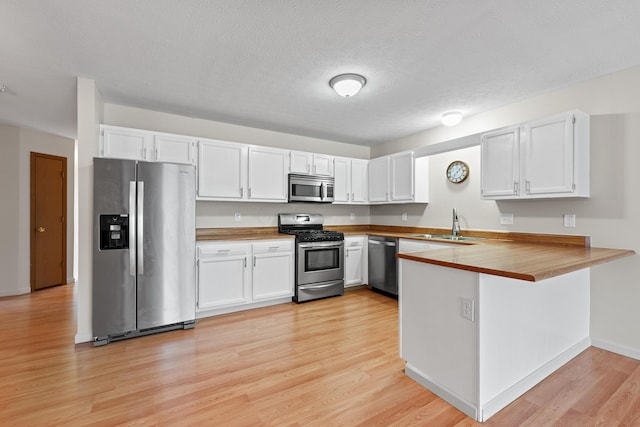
x=326 y=363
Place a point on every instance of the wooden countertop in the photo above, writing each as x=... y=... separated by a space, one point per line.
x=517 y=260
x=524 y=256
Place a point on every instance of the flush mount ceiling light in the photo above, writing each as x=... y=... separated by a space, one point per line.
x=347 y=84
x=3 y=88
x=451 y=118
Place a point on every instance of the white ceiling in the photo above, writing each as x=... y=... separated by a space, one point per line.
x=267 y=64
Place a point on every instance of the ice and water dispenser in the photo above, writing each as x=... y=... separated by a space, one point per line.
x=114 y=232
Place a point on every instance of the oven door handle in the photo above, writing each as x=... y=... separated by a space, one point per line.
x=324 y=285
x=321 y=245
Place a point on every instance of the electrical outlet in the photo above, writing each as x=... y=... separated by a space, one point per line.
x=238 y=216
x=468 y=309
x=569 y=220
x=404 y=216
x=352 y=216
x=506 y=219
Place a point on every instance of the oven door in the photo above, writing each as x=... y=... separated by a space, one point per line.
x=320 y=262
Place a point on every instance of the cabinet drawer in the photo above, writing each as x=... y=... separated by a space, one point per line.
x=212 y=251
x=273 y=246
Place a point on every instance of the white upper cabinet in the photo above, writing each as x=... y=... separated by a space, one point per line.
x=301 y=162
x=124 y=143
x=322 y=165
x=267 y=175
x=135 y=144
x=221 y=170
x=399 y=178
x=546 y=158
x=350 y=180
x=379 y=180
x=231 y=171
x=500 y=159
x=174 y=149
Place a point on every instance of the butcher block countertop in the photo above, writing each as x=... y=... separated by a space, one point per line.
x=518 y=260
x=525 y=256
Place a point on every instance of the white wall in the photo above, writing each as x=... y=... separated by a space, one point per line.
x=12 y=279
x=15 y=190
x=119 y=115
x=610 y=216
x=90 y=113
x=222 y=214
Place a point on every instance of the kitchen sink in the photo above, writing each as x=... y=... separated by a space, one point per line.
x=448 y=237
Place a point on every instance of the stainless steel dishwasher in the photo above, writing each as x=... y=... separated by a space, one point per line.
x=383 y=271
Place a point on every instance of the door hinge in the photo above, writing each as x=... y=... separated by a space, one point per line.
x=62 y=174
x=62 y=219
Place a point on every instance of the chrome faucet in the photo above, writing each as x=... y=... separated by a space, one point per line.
x=455 y=228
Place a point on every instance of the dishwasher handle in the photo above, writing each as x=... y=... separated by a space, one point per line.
x=377 y=242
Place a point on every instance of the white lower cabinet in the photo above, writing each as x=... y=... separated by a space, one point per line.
x=355 y=264
x=272 y=270
x=237 y=276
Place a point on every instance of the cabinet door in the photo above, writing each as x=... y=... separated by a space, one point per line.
x=267 y=175
x=500 y=159
x=353 y=265
x=174 y=149
x=402 y=177
x=322 y=165
x=359 y=181
x=379 y=180
x=342 y=177
x=221 y=170
x=122 y=143
x=300 y=162
x=223 y=276
x=272 y=270
x=548 y=156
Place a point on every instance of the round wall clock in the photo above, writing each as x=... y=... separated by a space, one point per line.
x=457 y=171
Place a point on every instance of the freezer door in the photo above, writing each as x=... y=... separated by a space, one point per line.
x=166 y=291
x=114 y=282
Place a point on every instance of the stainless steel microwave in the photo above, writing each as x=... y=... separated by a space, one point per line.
x=310 y=188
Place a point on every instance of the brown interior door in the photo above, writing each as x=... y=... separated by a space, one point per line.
x=48 y=220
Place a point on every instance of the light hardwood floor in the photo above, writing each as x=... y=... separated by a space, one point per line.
x=326 y=363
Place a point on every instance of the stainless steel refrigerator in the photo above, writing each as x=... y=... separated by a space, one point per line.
x=144 y=248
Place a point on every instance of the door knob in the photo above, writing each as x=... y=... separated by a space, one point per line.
x=40 y=229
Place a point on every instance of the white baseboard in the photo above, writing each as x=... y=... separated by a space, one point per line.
x=80 y=338
x=14 y=292
x=519 y=388
x=622 y=350
x=483 y=412
x=445 y=394
x=240 y=307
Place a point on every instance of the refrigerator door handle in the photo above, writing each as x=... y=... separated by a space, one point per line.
x=140 y=228
x=132 y=228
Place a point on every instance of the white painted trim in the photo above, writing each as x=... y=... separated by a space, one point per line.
x=528 y=382
x=80 y=338
x=463 y=405
x=15 y=292
x=622 y=350
x=241 y=307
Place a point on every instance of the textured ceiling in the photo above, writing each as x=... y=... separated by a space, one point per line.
x=267 y=64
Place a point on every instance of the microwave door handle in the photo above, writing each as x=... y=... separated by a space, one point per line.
x=322 y=191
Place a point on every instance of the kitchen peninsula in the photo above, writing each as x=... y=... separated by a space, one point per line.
x=482 y=324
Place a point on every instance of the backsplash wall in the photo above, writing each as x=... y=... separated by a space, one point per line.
x=222 y=214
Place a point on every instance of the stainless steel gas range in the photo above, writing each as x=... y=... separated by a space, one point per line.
x=319 y=256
